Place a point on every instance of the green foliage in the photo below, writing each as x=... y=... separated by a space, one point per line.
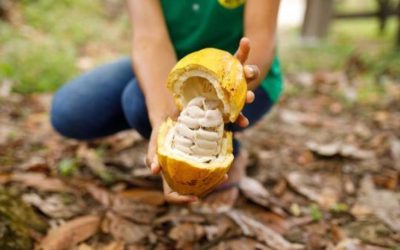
x=16 y=221
x=67 y=166
x=340 y=208
x=315 y=212
x=42 y=53
x=346 y=37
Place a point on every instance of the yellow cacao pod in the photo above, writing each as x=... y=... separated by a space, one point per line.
x=195 y=151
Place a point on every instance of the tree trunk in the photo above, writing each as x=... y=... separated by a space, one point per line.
x=317 y=19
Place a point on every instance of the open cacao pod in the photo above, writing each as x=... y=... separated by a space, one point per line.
x=195 y=152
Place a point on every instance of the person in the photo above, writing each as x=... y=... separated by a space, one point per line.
x=130 y=93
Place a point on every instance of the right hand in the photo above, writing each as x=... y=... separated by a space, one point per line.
x=152 y=162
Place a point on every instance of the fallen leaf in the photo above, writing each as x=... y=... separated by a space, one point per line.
x=186 y=234
x=35 y=162
x=4 y=178
x=138 y=212
x=395 y=151
x=240 y=244
x=5 y=88
x=296 y=118
x=150 y=197
x=321 y=188
x=179 y=217
x=254 y=191
x=115 y=245
x=55 y=205
x=95 y=163
x=84 y=247
x=71 y=233
x=384 y=204
x=220 y=227
x=122 y=140
x=355 y=244
x=253 y=228
x=339 y=149
x=40 y=182
x=142 y=247
x=124 y=230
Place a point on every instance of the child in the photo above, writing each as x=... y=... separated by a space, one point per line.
x=131 y=94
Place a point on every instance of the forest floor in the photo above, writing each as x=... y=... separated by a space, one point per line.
x=324 y=174
x=324 y=164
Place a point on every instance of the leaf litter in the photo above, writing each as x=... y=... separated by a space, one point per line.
x=320 y=176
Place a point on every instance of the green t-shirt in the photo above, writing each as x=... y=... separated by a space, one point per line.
x=197 y=24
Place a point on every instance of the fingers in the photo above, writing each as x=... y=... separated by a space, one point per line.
x=155 y=167
x=251 y=72
x=242 y=121
x=174 y=197
x=243 y=51
x=250 y=97
x=226 y=178
x=151 y=158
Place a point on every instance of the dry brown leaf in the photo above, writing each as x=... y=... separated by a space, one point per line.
x=141 y=247
x=340 y=149
x=124 y=230
x=85 y=247
x=186 y=234
x=253 y=228
x=135 y=211
x=321 y=188
x=150 y=197
x=355 y=244
x=115 y=245
x=35 y=162
x=254 y=191
x=5 y=178
x=122 y=140
x=94 y=162
x=297 y=118
x=240 y=244
x=71 y=233
x=54 y=205
x=5 y=88
x=221 y=226
x=384 y=204
x=41 y=182
x=179 y=217
x=395 y=151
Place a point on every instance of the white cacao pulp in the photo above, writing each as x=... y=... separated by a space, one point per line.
x=199 y=129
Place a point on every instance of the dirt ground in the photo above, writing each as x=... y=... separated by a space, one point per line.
x=324 y=174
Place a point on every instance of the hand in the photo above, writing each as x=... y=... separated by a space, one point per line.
x=251 y=73
x=173 y=197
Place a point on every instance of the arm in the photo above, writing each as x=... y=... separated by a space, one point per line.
x=260 y=19
x=153 y=56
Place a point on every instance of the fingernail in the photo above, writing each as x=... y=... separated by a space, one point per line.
x=250 y=71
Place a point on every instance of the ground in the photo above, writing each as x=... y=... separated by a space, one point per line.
x=324 y=165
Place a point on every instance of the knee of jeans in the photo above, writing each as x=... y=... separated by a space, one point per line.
x=135 y=111
x=63 y=117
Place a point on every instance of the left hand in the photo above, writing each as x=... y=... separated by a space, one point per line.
x=251 y=73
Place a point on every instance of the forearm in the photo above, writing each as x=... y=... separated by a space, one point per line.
x=152 y=59
x=153 y=56
x=260 y=27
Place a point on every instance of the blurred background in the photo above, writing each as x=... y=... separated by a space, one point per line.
x=43 y=43
x=324 y=165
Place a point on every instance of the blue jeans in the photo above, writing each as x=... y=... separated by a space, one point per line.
x=108 y=99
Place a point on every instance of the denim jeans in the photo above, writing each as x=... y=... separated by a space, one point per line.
x=108 y=99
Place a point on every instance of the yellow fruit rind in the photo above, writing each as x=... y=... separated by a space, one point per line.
x=221 y=65
x=190 y=178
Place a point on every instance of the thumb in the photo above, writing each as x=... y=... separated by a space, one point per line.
x=152 y=153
